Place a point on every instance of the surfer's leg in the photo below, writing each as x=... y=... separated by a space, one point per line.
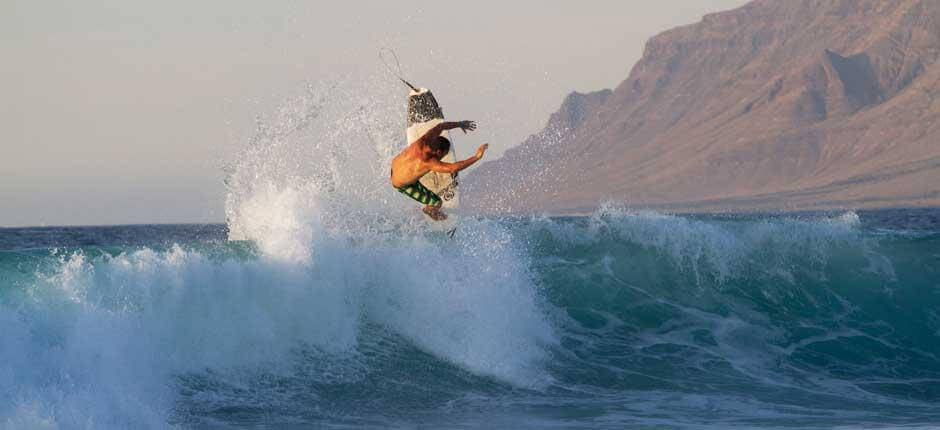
x=421 y=194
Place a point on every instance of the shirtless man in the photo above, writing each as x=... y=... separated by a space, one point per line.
x=423 y=156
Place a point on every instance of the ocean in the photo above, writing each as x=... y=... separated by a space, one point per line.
x=621 y=319
x=338 y=305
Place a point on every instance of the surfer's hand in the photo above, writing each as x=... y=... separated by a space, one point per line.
x=482 y=149
x=467 y=126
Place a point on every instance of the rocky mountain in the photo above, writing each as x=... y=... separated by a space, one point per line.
x=777 y=105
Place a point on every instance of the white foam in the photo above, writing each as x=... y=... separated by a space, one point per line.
x=715 y=252
x=850 y=218
x=281 y=221
x=472 y=303
x=100 y=341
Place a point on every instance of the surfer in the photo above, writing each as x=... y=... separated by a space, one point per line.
x=423 y=156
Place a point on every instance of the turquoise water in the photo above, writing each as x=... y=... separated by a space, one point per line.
x=621 y=319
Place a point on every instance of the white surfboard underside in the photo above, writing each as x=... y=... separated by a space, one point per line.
x=441 y=184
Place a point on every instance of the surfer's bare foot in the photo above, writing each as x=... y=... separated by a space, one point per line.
x=435 y=213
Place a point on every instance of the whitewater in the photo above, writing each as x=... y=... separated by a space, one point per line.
x=325 y=300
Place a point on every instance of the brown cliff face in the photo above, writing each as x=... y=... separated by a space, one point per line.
x=777 y=105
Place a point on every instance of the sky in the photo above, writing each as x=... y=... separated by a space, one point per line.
x=123 y=112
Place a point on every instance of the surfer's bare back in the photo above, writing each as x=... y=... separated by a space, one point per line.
x=423 y=156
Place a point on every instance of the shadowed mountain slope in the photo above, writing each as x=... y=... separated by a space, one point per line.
x=777 y=105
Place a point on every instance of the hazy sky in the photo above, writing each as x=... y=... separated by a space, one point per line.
x=116 y=111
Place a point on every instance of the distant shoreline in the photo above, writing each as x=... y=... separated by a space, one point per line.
x=563 y=214
x=746 y=211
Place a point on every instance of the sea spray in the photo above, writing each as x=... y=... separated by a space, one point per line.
x=621 y=319
x=116 y=330
x=333 y=185
x=334 y=305
x=331 y=269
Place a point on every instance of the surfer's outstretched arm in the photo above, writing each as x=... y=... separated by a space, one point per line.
x=448 y=125
x=442 y=167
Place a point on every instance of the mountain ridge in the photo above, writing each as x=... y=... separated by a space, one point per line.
x=808 y=104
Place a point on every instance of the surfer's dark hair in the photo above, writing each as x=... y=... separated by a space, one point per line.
x=441 y=144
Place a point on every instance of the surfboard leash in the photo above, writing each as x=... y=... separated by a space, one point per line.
x=397 y=63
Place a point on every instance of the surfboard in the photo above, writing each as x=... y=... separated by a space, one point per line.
x=423 y=114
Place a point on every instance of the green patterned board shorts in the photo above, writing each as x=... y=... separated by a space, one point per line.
x=421 y=194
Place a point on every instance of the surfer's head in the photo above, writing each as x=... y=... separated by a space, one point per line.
x=440 y=147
